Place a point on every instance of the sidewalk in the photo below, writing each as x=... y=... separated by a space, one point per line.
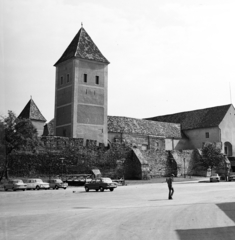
x=163 y=180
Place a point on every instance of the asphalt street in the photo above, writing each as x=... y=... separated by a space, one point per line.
x=198 y=211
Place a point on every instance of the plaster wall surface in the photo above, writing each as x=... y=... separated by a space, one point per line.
x=90 y=100
x=79 y=103
x=227 y=127
x=39 y=126
x=64 y=98
x=198 y=136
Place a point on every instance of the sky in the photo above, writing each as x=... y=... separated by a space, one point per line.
x=166 y=56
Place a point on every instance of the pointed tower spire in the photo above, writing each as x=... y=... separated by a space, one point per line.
x=82 y=47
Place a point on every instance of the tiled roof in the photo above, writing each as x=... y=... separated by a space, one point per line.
x=82 y=47
x=137 y=126
x=32 y=112
x=143 y=127
x=202 y=118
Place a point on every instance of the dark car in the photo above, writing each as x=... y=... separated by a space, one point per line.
x=100 y=184
x=231 y=176
x=57 y=183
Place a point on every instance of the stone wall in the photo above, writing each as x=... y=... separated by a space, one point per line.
x=69 y=156
x=143 y=142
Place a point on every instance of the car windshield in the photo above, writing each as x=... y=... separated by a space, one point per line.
x=58 y=180
x=17 y=181
x=106 y=180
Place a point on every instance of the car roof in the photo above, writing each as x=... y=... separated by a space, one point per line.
x=33 y=179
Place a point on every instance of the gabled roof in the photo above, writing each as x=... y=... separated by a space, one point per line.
x=82 y=47
x=202 y=118
x=143 y=127
x=136 y=126
x=31 y=112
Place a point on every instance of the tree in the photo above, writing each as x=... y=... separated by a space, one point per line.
x=211 y=156
x=15 y=134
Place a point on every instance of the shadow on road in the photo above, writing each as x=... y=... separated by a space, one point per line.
x=158 y=199
x=219 y=233
x=82 y=208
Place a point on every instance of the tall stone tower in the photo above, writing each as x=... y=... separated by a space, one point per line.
x=81 y=91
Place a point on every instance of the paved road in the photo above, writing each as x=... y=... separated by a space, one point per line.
x=199 y=211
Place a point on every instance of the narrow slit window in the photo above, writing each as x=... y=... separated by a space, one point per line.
x=67 y=78
x=61 y=80
x=97 y=79
x=207 y=135
x=85 y=78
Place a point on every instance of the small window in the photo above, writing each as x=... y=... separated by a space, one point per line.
x=85 y=77
x=97 y=79
x=207 y=135
x=226 y=150
x=61 y=80
x=67 y=78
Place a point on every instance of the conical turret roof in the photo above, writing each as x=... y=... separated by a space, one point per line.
x=82 y=47
x=31 y=112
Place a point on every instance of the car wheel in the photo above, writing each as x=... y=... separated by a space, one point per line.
x=5 y=189
x=56 y=187
x=37 y=187
x=13 y=189
x=101 y=189
x=64 y=188
x=210 y=180
x=86 y=189
x=97 y=190
x=23 y=189
x=111 y=189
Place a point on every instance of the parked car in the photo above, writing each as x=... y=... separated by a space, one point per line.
x=100 y=184
x=36 y=183
x=15 y=184
x=214 y=177
x=57 y=183
x=231 y=176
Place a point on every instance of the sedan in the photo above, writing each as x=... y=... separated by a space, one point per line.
x=15 y=184
x=214 y=177
x=57 y=183
x=36 y=183
x=100 y=184
x=231 y=176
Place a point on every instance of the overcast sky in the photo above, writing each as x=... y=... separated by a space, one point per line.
x=165 y=56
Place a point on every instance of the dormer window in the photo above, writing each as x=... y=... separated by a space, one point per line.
x=97 y=79
x=61 y=80
x=85 y=78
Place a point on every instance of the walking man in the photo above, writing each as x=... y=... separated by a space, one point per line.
x=169 y=181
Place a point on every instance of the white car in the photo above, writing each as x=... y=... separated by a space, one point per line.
x=36 y=183
x=15 y=184
x=214 y=177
